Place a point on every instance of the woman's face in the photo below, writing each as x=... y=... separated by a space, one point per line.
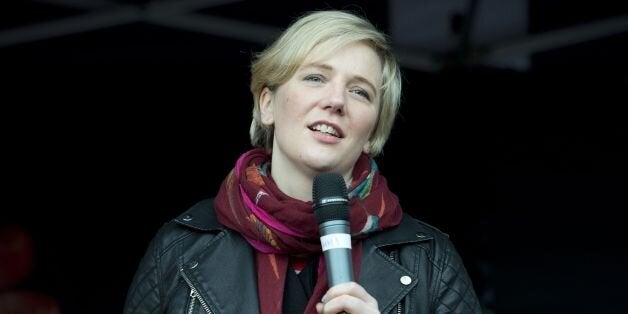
x=325 y=113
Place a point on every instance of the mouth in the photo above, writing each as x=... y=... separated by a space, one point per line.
x=327 y=128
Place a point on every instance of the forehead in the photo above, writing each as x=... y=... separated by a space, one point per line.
x=363 y=57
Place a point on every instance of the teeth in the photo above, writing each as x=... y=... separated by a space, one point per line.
x=326 y=129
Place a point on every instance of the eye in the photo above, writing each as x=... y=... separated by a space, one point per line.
x=362 y=93
x=314 y=78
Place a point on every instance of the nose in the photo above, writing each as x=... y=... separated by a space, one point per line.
x=336 y=99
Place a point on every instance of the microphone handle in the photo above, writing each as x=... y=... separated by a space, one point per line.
x=336 y=243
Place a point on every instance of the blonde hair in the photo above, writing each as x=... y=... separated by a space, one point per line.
x=277 y=63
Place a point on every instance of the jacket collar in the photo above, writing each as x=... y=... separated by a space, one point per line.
x=409 y=230
x=201 y=216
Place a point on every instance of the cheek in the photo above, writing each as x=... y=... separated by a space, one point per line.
x=279 y=108
x=288 y=106
x=366 y=122
x=286 y=102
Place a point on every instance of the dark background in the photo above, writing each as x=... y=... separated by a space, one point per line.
x=114 y=121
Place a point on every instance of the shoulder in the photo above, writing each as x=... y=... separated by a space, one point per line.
x=416 y=235
x=423 y=229
x=436 y=243
x=410 y=230
x=197 y=221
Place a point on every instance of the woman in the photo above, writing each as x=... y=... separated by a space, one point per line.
x=325 y=97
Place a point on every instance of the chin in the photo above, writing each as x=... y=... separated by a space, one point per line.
x=325 y=161
x=322 y=164
x=323 y=167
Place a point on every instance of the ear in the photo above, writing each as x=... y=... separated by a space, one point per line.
x=266 y=106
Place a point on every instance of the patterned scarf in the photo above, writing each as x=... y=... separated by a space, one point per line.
x=279 y=226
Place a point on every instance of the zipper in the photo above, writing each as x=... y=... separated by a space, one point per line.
x=393 y=256
x=194 y=295
x=192 y=301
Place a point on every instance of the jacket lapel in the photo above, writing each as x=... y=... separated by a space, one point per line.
x=224 y=275
x=385 y=279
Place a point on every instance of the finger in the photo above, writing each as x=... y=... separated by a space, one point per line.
x=352 y=289
x=319 y=307
x=348 y=304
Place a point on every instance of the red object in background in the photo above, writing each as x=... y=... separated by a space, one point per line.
x=16 y=263
x=16 y=255
x=27 y=302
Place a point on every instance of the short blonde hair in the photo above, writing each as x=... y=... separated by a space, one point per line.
x=278 y=63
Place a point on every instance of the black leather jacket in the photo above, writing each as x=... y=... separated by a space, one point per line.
x=196 y=265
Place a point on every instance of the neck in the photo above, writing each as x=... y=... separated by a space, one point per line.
x=296 y=182
x=293 y=181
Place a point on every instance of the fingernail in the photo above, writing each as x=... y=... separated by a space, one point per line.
x=324 y=299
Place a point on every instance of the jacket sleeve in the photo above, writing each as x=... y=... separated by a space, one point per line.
x=454 y=290
x=144 y=293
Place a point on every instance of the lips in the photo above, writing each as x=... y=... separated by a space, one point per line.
x=327 y=128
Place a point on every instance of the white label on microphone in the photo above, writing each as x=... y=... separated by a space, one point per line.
x=336 y=241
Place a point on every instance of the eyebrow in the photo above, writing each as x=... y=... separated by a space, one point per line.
x=328 y=67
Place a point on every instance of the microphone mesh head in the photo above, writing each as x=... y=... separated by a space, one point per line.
x=329 y=194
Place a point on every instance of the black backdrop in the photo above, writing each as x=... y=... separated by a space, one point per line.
x=106 y=137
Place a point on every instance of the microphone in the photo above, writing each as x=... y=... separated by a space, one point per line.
x=331 y=207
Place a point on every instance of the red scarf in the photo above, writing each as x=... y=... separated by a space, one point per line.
x=279 y=226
